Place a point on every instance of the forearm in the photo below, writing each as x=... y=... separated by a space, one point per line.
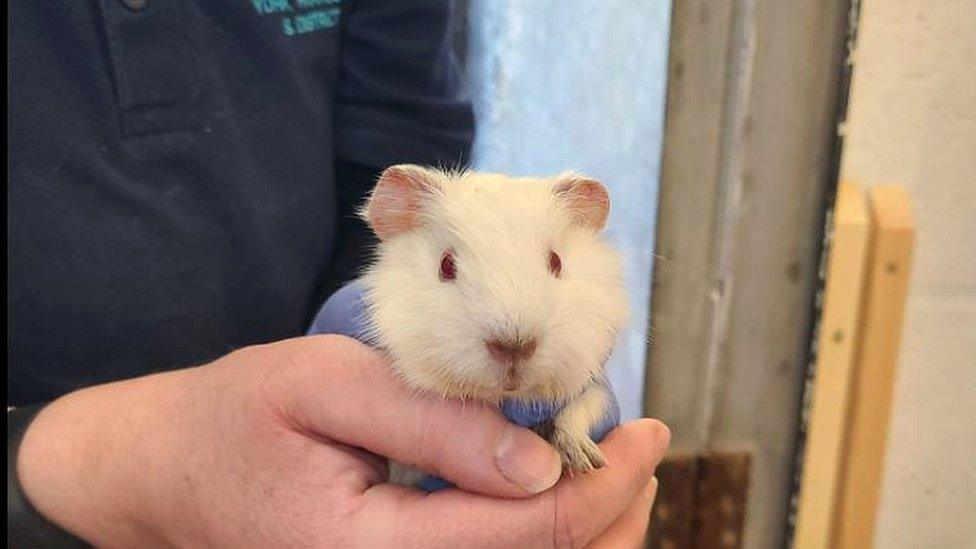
x=91 y=461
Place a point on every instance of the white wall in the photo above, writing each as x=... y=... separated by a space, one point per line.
x=580 y=85
x=912 y=120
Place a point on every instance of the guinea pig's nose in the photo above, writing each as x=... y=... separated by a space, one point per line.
x=511 y=351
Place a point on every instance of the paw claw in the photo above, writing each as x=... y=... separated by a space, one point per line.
x=579 y=454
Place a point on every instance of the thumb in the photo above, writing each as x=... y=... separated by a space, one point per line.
x=345 y=391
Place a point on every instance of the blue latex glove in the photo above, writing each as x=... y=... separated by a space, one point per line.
x=345 y=313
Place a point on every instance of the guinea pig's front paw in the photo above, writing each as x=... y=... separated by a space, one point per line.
x=578 y=452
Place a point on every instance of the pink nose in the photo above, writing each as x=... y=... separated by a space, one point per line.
x=508 y=352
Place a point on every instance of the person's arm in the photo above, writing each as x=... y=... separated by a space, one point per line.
x=401 y=96
x=25 y=526
x=400 y=99
x=276 y=446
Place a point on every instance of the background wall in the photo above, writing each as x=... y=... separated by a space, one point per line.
x=912 y=120
x=580 y=86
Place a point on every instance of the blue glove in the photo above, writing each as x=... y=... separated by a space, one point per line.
x=345 y=313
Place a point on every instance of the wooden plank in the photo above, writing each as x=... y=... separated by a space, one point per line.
x=836 y=346
x=889 y=265
x=781 y=164
x=723 y=488
x=672 y=519
x=749 y=152
x=701 y=500
x=682 y=287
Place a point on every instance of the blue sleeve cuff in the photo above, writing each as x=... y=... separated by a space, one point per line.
x=344 y=313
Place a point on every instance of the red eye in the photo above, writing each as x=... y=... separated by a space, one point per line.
x=448 y=269
x=555 y=264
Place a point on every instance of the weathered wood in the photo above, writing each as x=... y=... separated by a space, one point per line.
x=836 y=346
x=683 y=281
x=889 y=265
x=723 y=487
x=701 y=500
x=672 y=519
x=778 y=178
x=749 y=152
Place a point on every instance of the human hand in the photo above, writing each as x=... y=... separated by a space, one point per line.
x=275 y=446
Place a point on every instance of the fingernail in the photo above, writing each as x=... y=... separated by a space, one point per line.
x=652 y=490
x=526 y=460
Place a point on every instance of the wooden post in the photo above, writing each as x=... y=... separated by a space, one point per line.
x=672 y=524
x=703 y=504
x=746 y=165
x=836 y=346
x=892 y=241
x=749 y=151
x=723 y=489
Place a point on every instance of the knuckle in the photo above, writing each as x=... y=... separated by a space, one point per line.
x=332 y=354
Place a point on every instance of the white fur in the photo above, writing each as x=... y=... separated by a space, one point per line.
x=501 y=231
x=585 y=411
x=572 y=429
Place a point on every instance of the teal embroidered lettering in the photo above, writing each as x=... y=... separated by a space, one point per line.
x=266 y=7
x=315 y=20
x=308 y=4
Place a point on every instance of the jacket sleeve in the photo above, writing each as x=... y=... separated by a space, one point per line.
x=401 y=95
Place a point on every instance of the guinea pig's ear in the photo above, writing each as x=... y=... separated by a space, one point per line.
x=586 y=200
x=397 y=201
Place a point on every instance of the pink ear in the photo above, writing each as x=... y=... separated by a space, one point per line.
x=398 y=199
x=587 y=201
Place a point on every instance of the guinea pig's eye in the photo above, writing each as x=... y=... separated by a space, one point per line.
x=448 y=269
x=555 y=264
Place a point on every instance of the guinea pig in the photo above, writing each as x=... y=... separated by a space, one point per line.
x=502 y=290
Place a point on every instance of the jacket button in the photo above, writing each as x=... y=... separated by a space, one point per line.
x=135 y=5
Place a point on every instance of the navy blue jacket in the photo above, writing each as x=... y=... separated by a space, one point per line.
x=183 y=173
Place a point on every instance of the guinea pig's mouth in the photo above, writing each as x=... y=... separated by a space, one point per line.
x=511 y=377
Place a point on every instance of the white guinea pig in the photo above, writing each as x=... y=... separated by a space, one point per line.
x=496 y=288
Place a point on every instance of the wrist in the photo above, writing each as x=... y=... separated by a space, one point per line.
x=92 y=462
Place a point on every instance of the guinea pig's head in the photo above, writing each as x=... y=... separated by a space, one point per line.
x=492 y=287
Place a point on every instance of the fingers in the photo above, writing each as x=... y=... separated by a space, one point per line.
x=344 y=391
x=572 y=514
x=630 y=530
x=633 y=451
